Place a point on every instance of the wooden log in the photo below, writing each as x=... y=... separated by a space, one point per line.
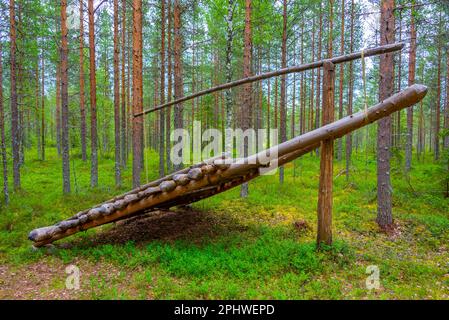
x=287 y=151
x=303 y=67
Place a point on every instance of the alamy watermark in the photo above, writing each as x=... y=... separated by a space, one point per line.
x=373 y=280
x=261 y=146
x=72 y=282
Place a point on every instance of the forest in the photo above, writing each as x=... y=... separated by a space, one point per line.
x=353 y=94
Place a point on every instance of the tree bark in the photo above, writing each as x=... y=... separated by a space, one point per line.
x=162 y=96
x=283 y=105
x=350 y=94
x=340 y=87
x=2 y=135
x=324 y=234
x=411 y=80
x=137 y=91
x=118 y=178
x=436 y=136
x=228 y=71
x=384 y=214
x=169 y=87
x=179 y=91
x=65 y=100
x=247 y=88
x=318 y=76
x=42 y=137
x=93 y=99
x=82 y=95
x=15 y=133
x=124 y=114
x=446 y=107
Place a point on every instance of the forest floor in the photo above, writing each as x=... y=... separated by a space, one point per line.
x=224 y=247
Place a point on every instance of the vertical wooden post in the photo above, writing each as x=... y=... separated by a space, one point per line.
x=326 y=162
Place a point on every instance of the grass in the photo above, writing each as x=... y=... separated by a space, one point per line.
x=232 y=248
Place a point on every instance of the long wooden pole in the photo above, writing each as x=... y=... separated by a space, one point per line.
x=299 y=68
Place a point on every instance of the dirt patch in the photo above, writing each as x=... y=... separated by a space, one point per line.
x=46 y=280
x=192 y=225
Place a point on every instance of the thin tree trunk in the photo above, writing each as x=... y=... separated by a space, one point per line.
x=93 y=99
x=65 y=100
x=37 y=122
x=350 y=94
x=384 y=214
x=179 y=91
x=438 y=98
x=228 y=71
x=58 y=107
x=411 y=80
x=446 y=107
x=162 y=96
x=15 y=134
x=340 y=87
x=247 y=88
x=118 y=178
x=124 y=114
x=169 y=87
x=318 y=76
x=82 y=95
x=2 y=134
x=137 y=91
x=283 y=87
x=43 y=109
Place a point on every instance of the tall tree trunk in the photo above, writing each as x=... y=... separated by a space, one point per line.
x=340 y=87
x=318 y=76
x=350 y=94
x=37 y=122
x=82 y=96
x=42 y=137
x=93 y=99
x=411 y=80
x=15 y=134
x=384 y=214
x=396 y=136
x=302 y=91
x=124 y=114
x=438 y=98
x=247 y=88
x=118 y=178
x=169 y=87
x=58 y=106
x=228 y=71
x=162 y=96
x=137 y=91
x=283 y=87
x=179 y=91
x=2 y=135
x=446 y=106
x=65 y=100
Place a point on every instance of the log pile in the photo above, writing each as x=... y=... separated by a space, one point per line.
x=218 y=174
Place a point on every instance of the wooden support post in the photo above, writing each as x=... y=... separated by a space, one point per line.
x=326 y=162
